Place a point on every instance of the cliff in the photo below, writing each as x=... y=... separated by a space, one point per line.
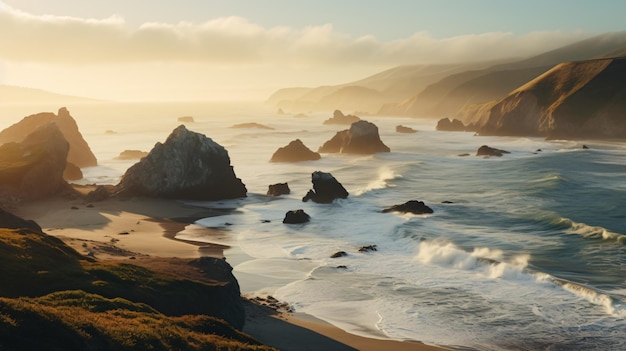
x=585 y=99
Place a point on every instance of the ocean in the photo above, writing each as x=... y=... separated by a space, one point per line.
x=522 y=252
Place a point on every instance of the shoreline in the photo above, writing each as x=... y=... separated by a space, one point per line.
x=143 y=231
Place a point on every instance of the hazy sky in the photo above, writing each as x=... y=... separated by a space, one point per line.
x=202 y=49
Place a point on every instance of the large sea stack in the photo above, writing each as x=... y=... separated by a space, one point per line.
x=326 y=188
x=585 y=99
x=295 y=151
x=34 y=167
x=79 y=153
x=188 y=165
x=361 y=138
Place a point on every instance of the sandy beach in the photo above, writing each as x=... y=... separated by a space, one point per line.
x=143 y=231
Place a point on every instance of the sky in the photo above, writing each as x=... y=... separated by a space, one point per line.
x=177 y=50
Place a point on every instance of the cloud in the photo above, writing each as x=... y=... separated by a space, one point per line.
x=233 y=41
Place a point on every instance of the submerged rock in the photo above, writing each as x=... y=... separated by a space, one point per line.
x=34 y=168
x=412 y=206
x=325 y=188
x=361 y=138
x=295 y=151
x=490 y=151
x=340 y=118
x=187 y=166
x=79 y=152
x=278 y=189
x=296 y=217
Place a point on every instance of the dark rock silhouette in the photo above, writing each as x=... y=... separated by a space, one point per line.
x=340 y=118
x=251 y=125
x=34 y=168
x=79 y=152
x=368 y=248
x=11 y=221
x=296 y=217
x=445 y=124
x=325 y=188
x=339 y=254
x=278 y=189
x=187 y=166
x=403 y=129
x=295 y=151
x=490 y=151
x=72 y=172
x=361 y=138
x=412 y=206
x=131 y=155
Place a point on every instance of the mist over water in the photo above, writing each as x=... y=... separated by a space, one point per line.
x=528 y=254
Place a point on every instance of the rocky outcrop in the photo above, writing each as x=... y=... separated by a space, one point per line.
x=187 y=166
x=361 y=138
x=412 y=206
x=131 y=155
x=72 y=172
x=325 y=189
x=100 y=193
x=340 y=118
x=403 y=129
x=296 y=217
x=251 y=125
x=490 y=151
x=295 y=151
x=79 y=152
x=573 y=100
x=278 y=189
x=454 y=125
x=11 y=221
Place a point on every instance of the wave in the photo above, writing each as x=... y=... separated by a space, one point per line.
x=384 y=180
x=588 y=231
x=612 y=306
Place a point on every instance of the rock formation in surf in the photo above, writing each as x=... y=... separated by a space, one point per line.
x=454 y=125
x=296 y=217
x=340 y=118
x=278 y=189
x=404 y=129
x=412 y=206
x=295 y=151
x=34 y=168
x=325 y=188
x=362 y=138
x=131 y=155
x=585 y=99
x=490 y=151
x=188 y=165
x=79 y=153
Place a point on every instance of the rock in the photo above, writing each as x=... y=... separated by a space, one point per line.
x=187 y=166
x=340 y=118
x=413 y=206
x=132 y=155
x=445 y=124
x=295 y=151
x=368 y=248
x=463 y=155
x=403 y=129
x=585 y=147
x=79 y=152
x=278 y=189
x=186 y=119
x=72 y=172
x=296 y=217
x=361 y=138
x=339 y=254
x=325 y=188
x=251 y=125
x=11 y=221
x=34 y=168
x=100 y=193
x=489 y=151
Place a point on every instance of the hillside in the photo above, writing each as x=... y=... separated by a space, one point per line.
x=584 y=99
x=13 y=95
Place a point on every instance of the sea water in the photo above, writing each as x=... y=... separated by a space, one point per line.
x=522 y=252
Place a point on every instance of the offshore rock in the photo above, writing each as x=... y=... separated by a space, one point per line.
x=79 y=152
x=362 y=138
x=295 y=151
x=490 y=151
x=34 y=168
x=131 y=155
x=325 y=188
x=454 y=125
x=278 y=189
x=296 y=217
x=404 y=129
x=413 y=206
x=340 y=118
x=188 y=165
